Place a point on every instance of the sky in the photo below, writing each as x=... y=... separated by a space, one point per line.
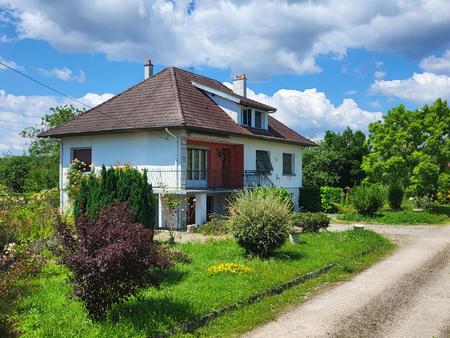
x=325 y=64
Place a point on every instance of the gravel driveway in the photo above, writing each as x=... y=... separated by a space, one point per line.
x=405 y=295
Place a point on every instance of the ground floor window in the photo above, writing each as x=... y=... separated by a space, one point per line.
x=263 y=164
x=84 y=155
x=288 y=164
x=196 y=164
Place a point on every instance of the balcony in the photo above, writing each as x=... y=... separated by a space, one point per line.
x=208 y=179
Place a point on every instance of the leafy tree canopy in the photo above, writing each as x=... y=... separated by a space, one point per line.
x=336 y=161
x=411 y=147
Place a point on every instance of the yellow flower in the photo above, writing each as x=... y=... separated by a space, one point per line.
x=229 y=268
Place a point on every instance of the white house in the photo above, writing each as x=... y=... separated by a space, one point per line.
x=195 y=136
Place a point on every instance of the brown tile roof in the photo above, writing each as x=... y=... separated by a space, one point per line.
x=169 y=99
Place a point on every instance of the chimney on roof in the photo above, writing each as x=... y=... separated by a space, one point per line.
x=148 y=69
x=240 y=84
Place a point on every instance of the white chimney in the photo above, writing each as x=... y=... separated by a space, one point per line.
x=240 y=84
x=148 y=69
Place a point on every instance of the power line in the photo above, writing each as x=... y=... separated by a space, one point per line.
x=43 y=84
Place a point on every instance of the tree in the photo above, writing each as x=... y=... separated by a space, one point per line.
x=38 y=169
x=410 y=147
x=336 y=161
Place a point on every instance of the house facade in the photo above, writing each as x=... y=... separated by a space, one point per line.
x=195 y=137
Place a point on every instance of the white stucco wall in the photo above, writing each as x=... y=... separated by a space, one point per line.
x=151 y=150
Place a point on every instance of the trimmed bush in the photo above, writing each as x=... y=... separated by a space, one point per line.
x=330 y=198
x=367 y=199
x=110 y=258
x=395 y=196
x=260 y=225
x=310 y=199
x=279 y=193
x=121 y=184
x=217 y=225
x=310 y=221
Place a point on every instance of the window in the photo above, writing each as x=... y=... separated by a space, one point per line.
x=196 y=164
x=263 y=163
x=258 y=119
x=83 y=155
x=247 y=117
x=288 y=164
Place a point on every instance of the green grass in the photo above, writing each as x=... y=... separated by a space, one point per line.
x=187 y=291
x=406 y=216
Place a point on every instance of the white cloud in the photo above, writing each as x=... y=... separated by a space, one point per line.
x=379 y=64
x=437 y=65
x=420 y=88
x=19 y=111
x=9 y=63
x=64 y=74
x=311 y=113
x=375 y=104
x=236 y=34
x=379 y=74
x=351 y=92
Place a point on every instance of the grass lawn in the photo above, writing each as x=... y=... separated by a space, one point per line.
x=440 y=215
x=188 y=291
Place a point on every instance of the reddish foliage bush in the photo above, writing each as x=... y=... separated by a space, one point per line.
x=110 y=259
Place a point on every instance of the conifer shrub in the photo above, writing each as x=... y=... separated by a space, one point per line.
x=110 y=258
x=259 y=224
x=395 y=196
x=116 y=184
x=310 y=199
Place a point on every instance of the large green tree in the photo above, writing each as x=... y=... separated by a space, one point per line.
x=410 y=147
x=38 y=169
x=336 y=161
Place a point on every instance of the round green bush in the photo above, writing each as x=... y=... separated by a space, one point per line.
x=367 y=199
x=259 y=224
x=310 y=221
x=395 y=197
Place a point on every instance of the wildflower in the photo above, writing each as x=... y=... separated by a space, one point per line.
x=229 y=268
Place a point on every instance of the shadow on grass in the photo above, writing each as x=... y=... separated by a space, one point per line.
x=286 y=255
x=170 y=276
x=152 y=315
x=442 y=209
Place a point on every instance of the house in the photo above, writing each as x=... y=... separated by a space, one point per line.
x=194 y=135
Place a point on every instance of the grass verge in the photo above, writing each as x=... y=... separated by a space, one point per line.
x=188 y=291
x=405 y=217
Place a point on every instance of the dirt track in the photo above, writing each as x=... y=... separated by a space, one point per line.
x=405 y=295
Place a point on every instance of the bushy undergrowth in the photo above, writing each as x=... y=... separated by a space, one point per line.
x=310 y=199
x=25 y=218
x=330 y=197
x=259 y=224
x=367 y=199
x=395 y=196
x=309 y=221
x=110 y=258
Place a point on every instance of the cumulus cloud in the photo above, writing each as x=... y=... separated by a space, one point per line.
x=64 y=74
x=19 y=111
x=311 y=113
x=227 y=33
x=9 y=63
x=420 y=88
x=437 y=65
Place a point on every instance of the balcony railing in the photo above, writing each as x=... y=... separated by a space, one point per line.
x=208 y=179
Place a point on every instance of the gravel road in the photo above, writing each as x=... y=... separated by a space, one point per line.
x=405 y=295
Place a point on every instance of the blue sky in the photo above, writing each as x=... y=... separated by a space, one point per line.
x=324 y=65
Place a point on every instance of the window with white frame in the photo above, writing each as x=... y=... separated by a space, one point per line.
x=288 y=164
x=258 y=119
x=196 y=164
x=84 y=155
x=263 y=164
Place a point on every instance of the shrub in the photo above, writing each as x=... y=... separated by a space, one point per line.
x=279 y=193
x=310 y=199
x=260 y=225
x=217 y=225
x=309 y=221
x=395 y=196
x=110 y=258
x=330 y=197
x=122 y=184
x=424 y=202
x=367 y=199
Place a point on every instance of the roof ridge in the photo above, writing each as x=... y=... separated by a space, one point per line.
x=203 y=76
x=177 y=95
